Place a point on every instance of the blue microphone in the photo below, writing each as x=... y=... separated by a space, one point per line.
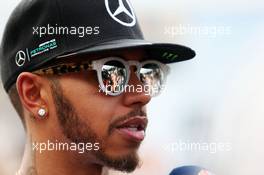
x=190 y=170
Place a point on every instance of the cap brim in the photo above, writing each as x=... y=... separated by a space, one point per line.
x=164 y=52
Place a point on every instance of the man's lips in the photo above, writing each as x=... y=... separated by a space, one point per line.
x=133 y=128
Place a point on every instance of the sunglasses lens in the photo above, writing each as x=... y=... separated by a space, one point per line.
x=114 y=76
x=152 y=76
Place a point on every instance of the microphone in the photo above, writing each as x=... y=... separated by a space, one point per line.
x=190 y=170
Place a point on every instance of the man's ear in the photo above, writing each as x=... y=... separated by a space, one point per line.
x=33 y=93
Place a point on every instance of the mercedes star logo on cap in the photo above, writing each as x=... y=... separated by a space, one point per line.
x=20 y=58
x=121 y=9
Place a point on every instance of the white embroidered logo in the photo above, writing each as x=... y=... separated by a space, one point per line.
x=20 y=58
x=122 y=9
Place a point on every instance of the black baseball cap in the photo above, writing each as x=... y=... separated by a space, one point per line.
x=39 y=31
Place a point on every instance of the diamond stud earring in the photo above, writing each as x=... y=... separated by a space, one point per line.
x=42 y=112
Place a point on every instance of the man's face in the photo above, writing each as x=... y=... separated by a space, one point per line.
x=117 y=123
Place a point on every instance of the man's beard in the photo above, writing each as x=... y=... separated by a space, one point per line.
x=78 y=132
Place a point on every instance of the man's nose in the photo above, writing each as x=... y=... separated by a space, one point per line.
x=135 y=94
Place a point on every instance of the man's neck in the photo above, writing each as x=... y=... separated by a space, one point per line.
x=54 y=162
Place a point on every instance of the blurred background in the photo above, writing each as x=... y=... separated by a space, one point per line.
x=214 y=101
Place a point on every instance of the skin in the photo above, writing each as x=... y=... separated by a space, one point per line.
x=94 y=111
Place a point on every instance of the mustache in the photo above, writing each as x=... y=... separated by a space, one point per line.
x=136 y=112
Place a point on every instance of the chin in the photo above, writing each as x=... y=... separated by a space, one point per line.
x=122 y=160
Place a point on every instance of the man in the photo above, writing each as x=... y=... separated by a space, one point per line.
x=57 y=57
